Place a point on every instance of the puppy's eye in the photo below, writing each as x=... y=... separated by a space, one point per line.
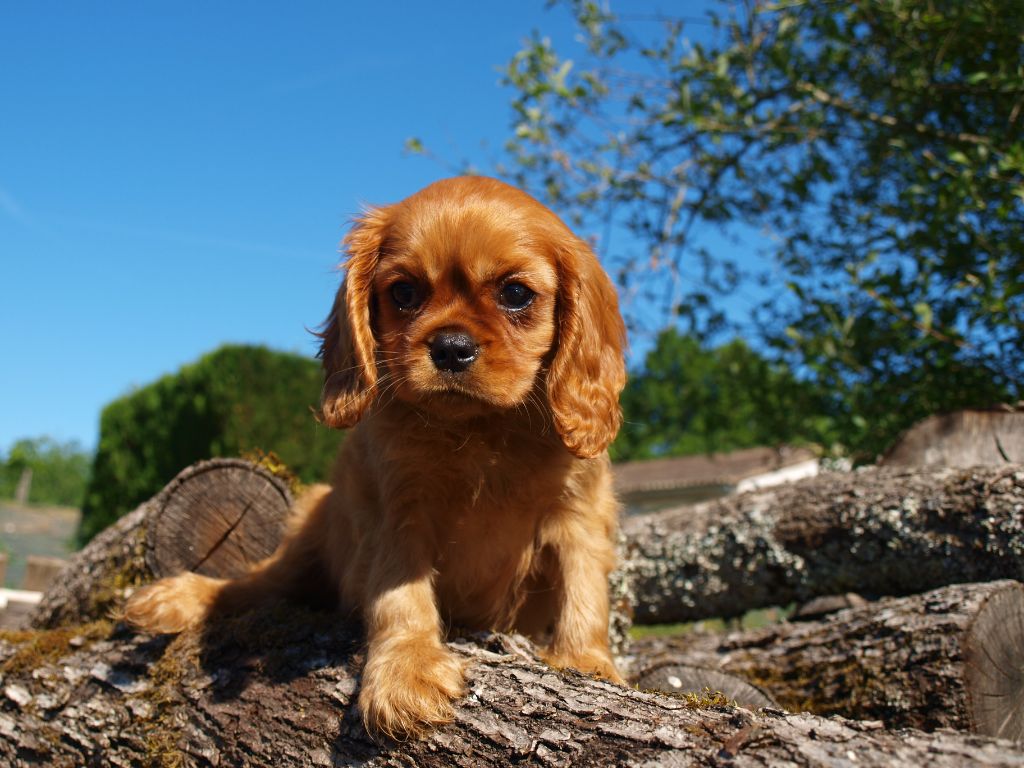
x=515 y=296
x=405 y=295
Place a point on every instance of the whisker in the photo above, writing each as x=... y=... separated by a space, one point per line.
x=391 y=389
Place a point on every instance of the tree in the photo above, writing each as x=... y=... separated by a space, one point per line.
x=59 y=471
x=234 y=400
x=688 y=399
x=881 y=145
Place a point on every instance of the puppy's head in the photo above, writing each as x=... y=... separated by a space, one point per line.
x=464 y=299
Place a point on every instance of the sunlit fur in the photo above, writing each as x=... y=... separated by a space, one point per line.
x=480 y=499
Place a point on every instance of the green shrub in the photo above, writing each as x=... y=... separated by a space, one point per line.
x=691 y=398
x=233 y=400
x=59 y=471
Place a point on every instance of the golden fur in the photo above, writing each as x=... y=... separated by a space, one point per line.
x=479 y=497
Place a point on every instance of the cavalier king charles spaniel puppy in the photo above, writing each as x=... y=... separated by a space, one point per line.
x=475 y=348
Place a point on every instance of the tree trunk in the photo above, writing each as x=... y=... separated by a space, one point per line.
x=216 y=517
x=277 y=689
x=951 y=658
x=876 y=531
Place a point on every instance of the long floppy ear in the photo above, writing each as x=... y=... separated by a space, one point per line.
x=589 y=369
x=347 y=348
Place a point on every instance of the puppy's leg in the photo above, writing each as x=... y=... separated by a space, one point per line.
x=173 y=604
x=585 y=557
x=410 y=677
x=177 y=603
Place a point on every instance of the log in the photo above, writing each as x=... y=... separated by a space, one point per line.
x=967 y=438
x=677 y=677
x=277 y=689
x=950 y=658
x=877 y=531
x=217 y=517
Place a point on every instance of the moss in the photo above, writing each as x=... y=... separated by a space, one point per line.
x=165 y=675
x=45 y=646
x=753 y=619
x=638 y=631
x=108 y=592
x=270 y=462
x=705 y=699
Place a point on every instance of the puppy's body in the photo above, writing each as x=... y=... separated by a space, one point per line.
x=478 y=345
x=498 y=498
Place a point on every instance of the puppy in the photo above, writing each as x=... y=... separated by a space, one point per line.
x=476 y=348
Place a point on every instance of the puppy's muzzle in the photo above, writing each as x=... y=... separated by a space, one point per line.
x=453 y=351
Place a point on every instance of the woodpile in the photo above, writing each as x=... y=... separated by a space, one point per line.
x=930 y=675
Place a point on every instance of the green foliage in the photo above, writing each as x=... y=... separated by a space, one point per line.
x=689 y=399
x=880 y=145
x=59 y=471
x=233 y=400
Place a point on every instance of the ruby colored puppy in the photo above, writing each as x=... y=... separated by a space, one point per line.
x=476 y=349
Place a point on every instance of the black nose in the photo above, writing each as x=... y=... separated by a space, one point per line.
x=453 y=351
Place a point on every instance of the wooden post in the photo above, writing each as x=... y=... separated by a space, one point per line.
x=24 y=488
x=40 y=572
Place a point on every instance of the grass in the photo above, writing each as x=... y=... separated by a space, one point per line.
x=761 y=617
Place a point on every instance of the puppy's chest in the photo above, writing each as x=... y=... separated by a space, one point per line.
x=493 y=480
x=488 y=538
x=481 y=567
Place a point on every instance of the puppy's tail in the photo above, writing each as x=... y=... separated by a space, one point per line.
x=184 y=601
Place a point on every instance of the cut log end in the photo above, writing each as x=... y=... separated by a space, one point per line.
x=994 y=665
x=684 y=678
x=219 y=519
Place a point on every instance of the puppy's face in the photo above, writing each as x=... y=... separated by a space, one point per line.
x=467 y=298
x=464 y=299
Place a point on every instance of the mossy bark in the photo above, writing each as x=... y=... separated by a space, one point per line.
x=877 y=531
x=949 y=658
x=278 y=689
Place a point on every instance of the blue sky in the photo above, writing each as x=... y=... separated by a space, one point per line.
x=175 y=176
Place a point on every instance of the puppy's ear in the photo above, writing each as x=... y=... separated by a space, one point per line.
x=347 y=348
x=588 y=370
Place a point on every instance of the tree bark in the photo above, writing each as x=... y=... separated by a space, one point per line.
x=876 y=531
x=277 y=689
x=217 y=517
x=950 y=658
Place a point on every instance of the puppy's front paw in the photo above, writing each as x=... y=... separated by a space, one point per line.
x=408 y=688
x=171 y=605
x=589 y=662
